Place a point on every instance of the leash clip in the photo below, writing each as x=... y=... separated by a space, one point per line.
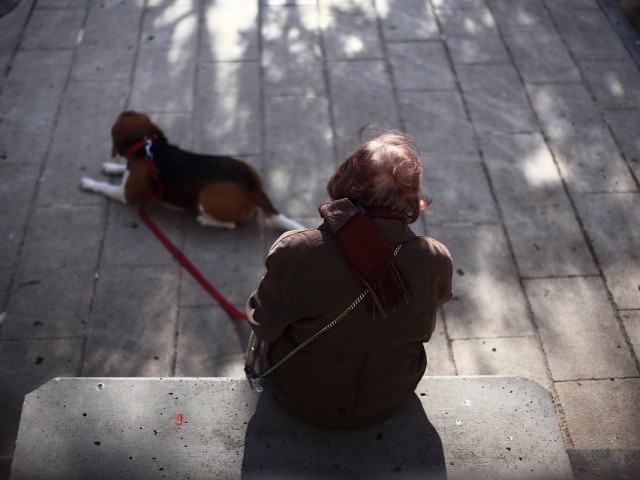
x=147 y=147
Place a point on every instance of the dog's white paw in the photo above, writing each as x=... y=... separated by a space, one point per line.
x=112 y=168
x=87 y=183
x=209 y=221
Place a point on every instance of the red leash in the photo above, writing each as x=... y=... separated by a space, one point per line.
x=184 y=261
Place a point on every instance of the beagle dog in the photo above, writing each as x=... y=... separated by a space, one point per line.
x=223 y=190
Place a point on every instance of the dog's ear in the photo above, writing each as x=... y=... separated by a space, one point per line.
x=120 y=134
x=159 y=133
x=131 y=127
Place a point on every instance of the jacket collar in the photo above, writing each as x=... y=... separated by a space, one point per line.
x=393 y=231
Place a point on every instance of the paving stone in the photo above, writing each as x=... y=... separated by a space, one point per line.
x=421 y=66
x=623 y=125
x=614 y=84
x=62 y=306
x=458 y=186
x=81 y=142
x=12 y=24
x=94 y=63
x=496 y=98
x=458 y=4
x=578 y=329
x=210 y=344
x=565 y=109
x=439 y=356
x=482 y=266
x=472 y=36
x=13 y=20
x=604 y=463
x=361 y=94
x=570 y=4
x=25 y=365
x=438 y=122
x=584 y=149
x=549 y=242
x=49 y=246
x=350 y=30
x=520 y=13
x=298 y=155
x=602 y=414
x=53 y=29
x=611 y=224
x=170 y=92
x=631 y=322
x=227 y=114
x=27 y=126
x=168 y=45
x=468 y=23
x=229 y=32
x=546 y=237
x=502 y=356
x=588 y=34
x=521 y=162
x=112 y=25
x=128 y=241
x=288 y=2
x=170 y=27
x=414 y=21
x=469 y=51
x=133 y=322
x=5 y=282
x=540 y=55
x=17 y=185
x=56 y=3
x=593 y=164
x=11 y=238
x=107 y=48
x=291 y=53
x=231 y=260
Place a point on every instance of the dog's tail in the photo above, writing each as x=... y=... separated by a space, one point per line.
x=272 y=215
x=260 y=198
x=281 y=221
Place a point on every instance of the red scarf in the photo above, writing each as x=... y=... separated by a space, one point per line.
x=368 y=253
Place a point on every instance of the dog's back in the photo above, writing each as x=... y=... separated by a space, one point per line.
x=185 y=174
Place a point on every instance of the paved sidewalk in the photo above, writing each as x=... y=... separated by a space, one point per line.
x=527 y=113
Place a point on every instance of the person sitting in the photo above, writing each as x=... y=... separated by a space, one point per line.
x=357 y=372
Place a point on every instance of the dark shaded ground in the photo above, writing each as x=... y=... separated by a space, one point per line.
x=6 y=6
x=631 y=10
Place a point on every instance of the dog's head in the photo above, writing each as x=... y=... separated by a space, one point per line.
x=130 y=128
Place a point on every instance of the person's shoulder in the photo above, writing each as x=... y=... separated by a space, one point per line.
x=298 y=239
x=434 y=247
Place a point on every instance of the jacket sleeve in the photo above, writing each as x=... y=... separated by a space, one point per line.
x=444 y=281
x=276 y=303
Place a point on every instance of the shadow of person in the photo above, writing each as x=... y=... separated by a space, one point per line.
x=278 y=446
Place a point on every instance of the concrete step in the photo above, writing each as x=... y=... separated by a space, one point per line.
x=202 y=428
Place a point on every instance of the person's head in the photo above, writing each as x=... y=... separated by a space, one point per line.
x=384 y=172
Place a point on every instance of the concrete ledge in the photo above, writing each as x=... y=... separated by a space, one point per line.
x=203 y=428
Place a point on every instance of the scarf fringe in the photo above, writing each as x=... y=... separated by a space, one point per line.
x=388 y=287
x=368 y=253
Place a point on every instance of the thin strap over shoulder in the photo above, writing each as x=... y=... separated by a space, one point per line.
x=255 y=348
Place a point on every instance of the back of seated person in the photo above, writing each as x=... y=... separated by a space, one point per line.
x=359 y=371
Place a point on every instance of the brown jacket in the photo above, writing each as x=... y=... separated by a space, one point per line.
x=358 y=371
